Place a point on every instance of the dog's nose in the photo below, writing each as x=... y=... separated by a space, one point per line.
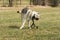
x=17 y=11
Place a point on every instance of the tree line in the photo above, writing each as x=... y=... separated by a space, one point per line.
x=52 y=3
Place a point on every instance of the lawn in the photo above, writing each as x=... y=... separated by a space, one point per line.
x=48 y=25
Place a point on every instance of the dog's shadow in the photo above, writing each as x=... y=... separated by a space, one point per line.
x=14 y=27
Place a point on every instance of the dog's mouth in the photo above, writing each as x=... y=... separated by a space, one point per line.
x=36 y=18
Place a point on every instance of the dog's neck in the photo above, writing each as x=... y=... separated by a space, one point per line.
x=33 y=17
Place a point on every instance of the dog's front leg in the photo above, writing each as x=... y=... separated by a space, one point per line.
x=23 y=24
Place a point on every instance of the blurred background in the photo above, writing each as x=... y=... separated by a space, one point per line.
x=11 y=3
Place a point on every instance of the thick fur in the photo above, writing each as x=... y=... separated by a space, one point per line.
x=27 y=15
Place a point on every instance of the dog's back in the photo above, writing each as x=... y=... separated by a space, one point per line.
x=24 y=10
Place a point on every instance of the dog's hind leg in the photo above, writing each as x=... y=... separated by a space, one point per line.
x=23 y=23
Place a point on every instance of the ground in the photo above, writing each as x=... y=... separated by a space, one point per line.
x=48 y=25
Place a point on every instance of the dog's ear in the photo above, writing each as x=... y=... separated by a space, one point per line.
x=17 y=11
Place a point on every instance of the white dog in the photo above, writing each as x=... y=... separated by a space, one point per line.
x=27 y=15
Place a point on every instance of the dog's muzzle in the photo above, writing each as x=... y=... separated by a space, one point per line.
x=36 y=18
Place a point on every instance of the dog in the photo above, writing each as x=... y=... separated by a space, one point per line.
x=27 y=15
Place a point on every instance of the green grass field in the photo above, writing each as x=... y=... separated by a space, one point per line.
x=48 y=25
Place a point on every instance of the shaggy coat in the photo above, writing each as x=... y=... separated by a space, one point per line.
x=27 y=15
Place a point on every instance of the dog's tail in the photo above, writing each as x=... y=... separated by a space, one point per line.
x=18 y=11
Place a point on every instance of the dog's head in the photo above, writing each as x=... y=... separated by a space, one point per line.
x=35 y=15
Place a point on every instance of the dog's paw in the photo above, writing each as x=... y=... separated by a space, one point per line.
x=29 y=27
x=20 y=27
x=37 y=27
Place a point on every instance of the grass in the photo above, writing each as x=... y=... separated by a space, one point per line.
x=48 y=25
